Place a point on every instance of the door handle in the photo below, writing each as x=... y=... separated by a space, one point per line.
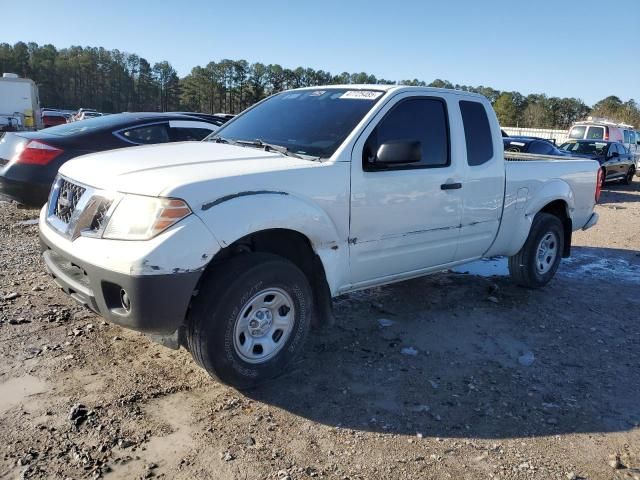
x=450 y=186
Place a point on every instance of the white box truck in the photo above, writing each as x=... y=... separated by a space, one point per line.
x=19 y=104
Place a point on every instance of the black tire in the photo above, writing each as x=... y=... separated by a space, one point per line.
x=629 y=176
x=522 y=266
x=227 y=288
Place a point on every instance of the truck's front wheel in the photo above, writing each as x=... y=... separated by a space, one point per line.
x=537 y=261
x=249 y=319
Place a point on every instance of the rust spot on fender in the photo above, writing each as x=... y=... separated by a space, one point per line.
x=226 y=198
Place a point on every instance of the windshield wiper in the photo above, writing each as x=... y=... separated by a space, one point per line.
x=264 y=145
x=269 y=146
x=224 y=140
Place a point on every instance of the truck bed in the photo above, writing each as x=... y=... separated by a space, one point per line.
x=531 y=182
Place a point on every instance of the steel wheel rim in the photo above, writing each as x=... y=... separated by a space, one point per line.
x=546 y=253
x=263 y=325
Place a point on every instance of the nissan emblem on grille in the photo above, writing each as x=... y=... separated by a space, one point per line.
x=68 y=197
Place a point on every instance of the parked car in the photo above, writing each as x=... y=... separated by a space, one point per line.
x=539 y=146
x=617 y=163
x=637 y=153
x=19 y=104
x=87 y=115
x=29 y=161
x=51 y=118
x=81 y=112
x=233 y=246
x=602 y=129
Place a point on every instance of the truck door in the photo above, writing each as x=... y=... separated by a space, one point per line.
x=405 y=217
x=484 y=179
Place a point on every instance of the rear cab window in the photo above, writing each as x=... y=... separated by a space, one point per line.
x=477 y=132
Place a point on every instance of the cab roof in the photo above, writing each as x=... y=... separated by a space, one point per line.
x=393 y=88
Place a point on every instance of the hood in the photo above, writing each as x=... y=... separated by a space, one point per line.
x=171 y=169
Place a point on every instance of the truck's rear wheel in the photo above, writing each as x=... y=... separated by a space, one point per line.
x=249 y=319
x=537 y=261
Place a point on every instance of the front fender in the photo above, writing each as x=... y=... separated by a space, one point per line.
x=235 y=216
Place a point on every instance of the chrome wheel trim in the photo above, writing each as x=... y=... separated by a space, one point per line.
x=263 y=325
x=546 y=253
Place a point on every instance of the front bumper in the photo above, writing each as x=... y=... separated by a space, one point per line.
x=157 y=303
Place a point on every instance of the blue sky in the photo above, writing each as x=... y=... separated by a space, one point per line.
x=561 y=47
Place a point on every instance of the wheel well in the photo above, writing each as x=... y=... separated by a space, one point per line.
x=296 y=248
x=558 y=208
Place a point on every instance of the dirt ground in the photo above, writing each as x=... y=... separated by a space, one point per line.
x=457 y=375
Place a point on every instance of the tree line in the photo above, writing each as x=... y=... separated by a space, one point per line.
x=115 y=81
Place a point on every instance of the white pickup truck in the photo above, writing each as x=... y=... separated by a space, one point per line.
x=234 y=246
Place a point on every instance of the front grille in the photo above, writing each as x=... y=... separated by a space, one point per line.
x=68 y=196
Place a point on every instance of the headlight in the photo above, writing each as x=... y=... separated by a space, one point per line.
x=141 y=218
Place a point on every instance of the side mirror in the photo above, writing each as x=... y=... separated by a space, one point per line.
x=614 y=155
x=398 y=152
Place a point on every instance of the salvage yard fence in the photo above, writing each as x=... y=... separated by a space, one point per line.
x=558 y=136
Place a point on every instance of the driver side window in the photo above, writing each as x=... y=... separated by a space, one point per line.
x=419 y=120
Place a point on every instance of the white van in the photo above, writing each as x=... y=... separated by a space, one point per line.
x=637 y=152
x=19 y=104
x=602 y=129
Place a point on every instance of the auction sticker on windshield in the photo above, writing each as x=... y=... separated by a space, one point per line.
x=361 y=94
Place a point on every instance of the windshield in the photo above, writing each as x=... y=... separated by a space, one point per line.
x=306 y=122
x=587 y=148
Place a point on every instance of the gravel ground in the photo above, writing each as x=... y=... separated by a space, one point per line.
x=457 y=375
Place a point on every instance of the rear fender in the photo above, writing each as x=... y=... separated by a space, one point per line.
x=517 y=218
x=550 y=192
